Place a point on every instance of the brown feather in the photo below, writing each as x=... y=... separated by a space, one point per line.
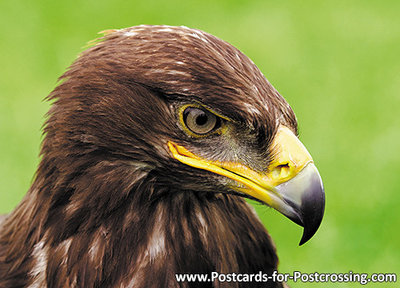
x=109 y=207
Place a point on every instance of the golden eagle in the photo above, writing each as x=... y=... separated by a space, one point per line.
x=155 y=138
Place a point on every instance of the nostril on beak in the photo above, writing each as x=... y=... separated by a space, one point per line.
x=281 y=170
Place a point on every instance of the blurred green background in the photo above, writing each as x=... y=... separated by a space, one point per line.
x=336 y=62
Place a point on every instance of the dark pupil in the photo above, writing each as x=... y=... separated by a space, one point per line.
x=201 y=119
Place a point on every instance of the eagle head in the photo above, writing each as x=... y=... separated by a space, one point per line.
x=188 y=110
x=168 y=126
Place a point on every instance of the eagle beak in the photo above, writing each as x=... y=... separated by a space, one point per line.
x=297 y=183
x=291 y=185
x=303 y=200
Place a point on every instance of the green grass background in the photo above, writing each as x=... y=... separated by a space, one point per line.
x=336 y=62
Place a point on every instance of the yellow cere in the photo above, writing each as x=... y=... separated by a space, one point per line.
x=290 y=158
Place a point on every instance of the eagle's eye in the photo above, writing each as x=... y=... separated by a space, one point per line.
x=200 y=121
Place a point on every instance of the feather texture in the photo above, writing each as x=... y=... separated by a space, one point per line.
x=109 y=207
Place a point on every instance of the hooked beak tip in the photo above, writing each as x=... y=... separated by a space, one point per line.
x=306 y=196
